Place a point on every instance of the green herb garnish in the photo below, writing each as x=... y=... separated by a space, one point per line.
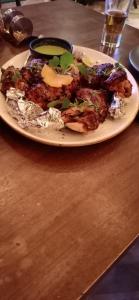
x=16 y=76
x=66 y=60
x=54 y=103
x=66 y=103
x=63 y=103
x=82 y=69
x=54 y=62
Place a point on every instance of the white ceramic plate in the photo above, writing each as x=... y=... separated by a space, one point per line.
x=107 y=130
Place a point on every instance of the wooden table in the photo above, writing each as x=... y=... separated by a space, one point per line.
x=65 y=214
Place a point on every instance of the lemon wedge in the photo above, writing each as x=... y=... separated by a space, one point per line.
x=87 y=61
x=53 y=79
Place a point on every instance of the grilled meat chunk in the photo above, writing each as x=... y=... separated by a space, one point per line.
x=38 y=94
x=124 y=88
x=97 y=99
x=42 y=94
x=87 y=117
x=30 y=81
x=90 y=119
x=103 y=69
x=8 y=78
x=69 y=91
x=70 y=114
x=26 y=74
x=98 y=74
x=93 y=110
x=31 y=75
x=118 y=83
x=116 y=77
x=21 y=85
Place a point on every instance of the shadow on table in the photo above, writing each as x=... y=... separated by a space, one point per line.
x=55 y=157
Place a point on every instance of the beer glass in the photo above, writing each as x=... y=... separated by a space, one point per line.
x=116 y=12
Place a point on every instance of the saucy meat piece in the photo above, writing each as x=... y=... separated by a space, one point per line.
x=98 y=74
x=118 y=83
x=103 y=69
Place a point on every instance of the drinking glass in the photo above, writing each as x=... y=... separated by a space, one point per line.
x=116 y=12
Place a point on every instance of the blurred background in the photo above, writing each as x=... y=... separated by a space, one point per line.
x=98 y=5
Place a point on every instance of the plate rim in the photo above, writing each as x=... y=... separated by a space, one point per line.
x=63 y=143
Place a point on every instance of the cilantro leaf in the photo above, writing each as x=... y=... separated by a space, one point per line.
x=54 y=62
x=16 y=76
x=62 y=103
x=53 y=103
x=82 y=69
x=66 y=60
x=66 y=103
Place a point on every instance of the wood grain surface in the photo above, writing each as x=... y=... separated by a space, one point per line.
x=65 y=214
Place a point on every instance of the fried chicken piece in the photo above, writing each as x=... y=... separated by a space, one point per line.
x=99 y=100
x=81 y=120
x=118 y=83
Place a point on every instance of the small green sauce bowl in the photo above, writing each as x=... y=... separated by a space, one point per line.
x=49 y=42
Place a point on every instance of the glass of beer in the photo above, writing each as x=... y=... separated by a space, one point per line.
x=116 y=12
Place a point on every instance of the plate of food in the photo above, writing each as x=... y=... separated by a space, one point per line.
x=76 y=99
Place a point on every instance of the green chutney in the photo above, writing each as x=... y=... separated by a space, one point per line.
x=50 y=50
